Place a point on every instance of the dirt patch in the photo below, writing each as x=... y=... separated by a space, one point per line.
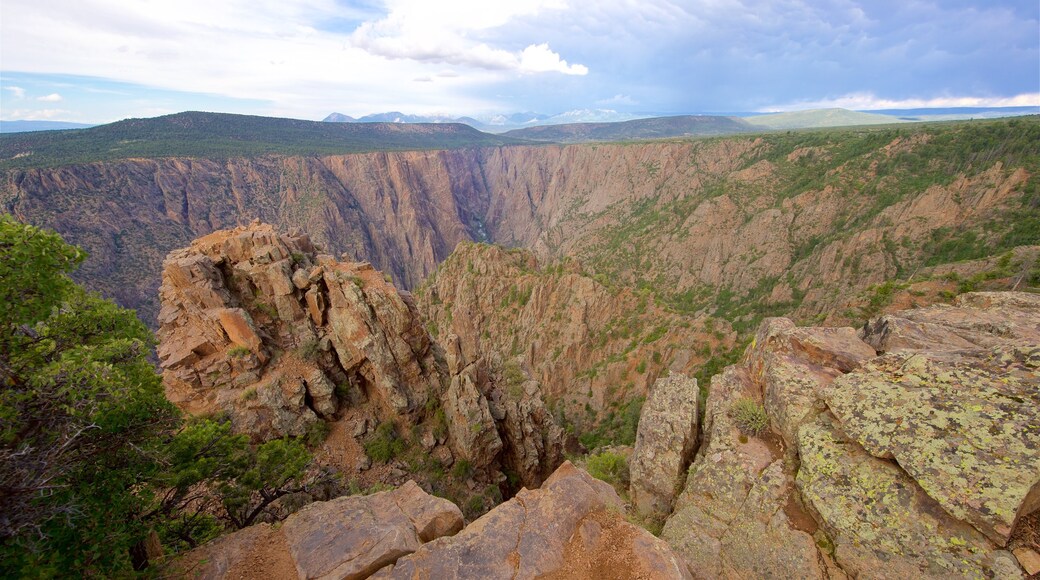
x=259 y=552
x=340 y=449
x=798 y=517
x=602 y=548
x=269 y=558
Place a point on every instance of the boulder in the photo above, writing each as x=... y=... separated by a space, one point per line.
x=881 y=522
x=541 y=533
x=974 y=320
x=964 y=425
x=666 y=440
x=794 y=366
x=348 y=537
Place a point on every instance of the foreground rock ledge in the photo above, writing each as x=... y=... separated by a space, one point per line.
x=572 y=527
x=923 y=461
x=348 y=538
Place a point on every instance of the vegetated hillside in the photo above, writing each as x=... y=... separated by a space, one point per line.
x=638 y=129
x=733 y=227
x=221 y=135
x=820 y=118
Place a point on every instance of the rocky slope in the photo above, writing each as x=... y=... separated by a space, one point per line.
x=592 y=347
x=790 y=223
x=909 y=449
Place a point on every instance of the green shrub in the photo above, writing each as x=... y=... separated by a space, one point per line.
x=385 y=443
x=308 y=350
x=462 y=469
x=317 y=433
x=749 y=416
x=609 y=467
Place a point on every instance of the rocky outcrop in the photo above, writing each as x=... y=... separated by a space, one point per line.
x=262 y=327
x=921 y=462
x=346 y=538
x=665 y=444
x=567 y=528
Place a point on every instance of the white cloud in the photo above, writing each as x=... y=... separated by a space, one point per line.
x=453 y=33
x=538 y=58
x=618 y=99
x=51 y=98
x=869 y=101
x=16 y=92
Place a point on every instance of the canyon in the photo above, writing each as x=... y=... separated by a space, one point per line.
x=814 y=352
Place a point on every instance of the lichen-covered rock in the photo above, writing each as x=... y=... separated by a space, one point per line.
x=794 y=366
x=882 y=523
x=965 y=426
x=737 y=516
x=666 y=440
x=245 y=332
x=529 y=536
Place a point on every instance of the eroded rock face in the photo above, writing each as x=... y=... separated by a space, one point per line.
x=540 y=533
x=923 y=462
x=260 y=326
x=348 y=537
x=665 y=443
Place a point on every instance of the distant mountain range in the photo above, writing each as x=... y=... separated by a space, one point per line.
x=497 y=123
x=808 y=119
x=652 y=128
x=25 y=126
x=222 y=135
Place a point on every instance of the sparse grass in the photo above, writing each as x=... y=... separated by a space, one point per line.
x=238 y=352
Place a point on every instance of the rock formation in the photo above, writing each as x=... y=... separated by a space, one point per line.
x=568 y=528
x=263 y=327
x=259 y=326
x=345 y=538
x=921 y=462
x=665 y=443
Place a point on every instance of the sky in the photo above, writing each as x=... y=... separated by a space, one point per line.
x=97 y=61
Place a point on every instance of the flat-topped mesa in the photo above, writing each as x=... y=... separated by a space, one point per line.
x=262 y=327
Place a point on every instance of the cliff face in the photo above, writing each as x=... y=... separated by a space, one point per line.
x=404 y=212
x=796 y=223
x=263 y=327
x=590 y=346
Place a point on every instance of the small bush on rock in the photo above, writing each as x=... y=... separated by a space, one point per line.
x=750 y=416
